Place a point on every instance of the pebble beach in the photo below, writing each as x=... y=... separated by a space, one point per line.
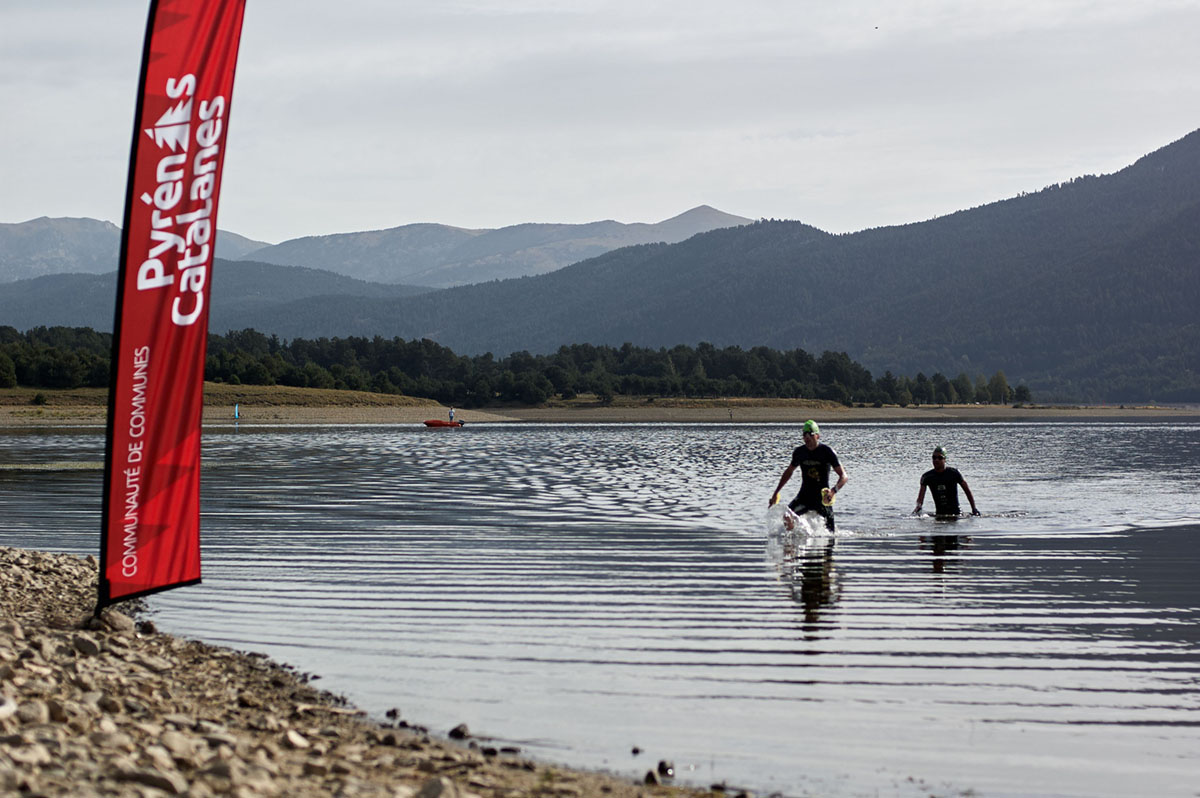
x=107 y=706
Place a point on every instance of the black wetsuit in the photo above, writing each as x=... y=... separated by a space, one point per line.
x=944 y=487
x=814 y=469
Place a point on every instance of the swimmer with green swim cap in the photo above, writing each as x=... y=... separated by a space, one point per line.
x=815 y=460
x=943 y=482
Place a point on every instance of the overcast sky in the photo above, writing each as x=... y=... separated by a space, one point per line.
x=368 y=114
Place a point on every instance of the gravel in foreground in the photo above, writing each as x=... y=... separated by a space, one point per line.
x=109 y=707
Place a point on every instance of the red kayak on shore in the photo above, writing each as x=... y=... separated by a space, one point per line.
x=437 y=422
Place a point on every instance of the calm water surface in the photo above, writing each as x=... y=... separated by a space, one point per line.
x=581 y=590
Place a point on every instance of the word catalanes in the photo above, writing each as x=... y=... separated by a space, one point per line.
x=181 y=222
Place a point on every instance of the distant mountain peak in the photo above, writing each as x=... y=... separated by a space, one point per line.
x=709 y=213
x=70 y=244
x=440 y=256
x=42 y=222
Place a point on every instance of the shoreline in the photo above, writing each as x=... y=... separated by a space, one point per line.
x=252 y=416
x=798 y=414
x=110 y=706
x=281 y=405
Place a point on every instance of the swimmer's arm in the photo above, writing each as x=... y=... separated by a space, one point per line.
x=842 y=478
x=971 y=498
x=787 y=474
x=921 y=499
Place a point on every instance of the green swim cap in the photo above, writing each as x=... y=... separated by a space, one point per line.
x=811 y=426
x=942 y=451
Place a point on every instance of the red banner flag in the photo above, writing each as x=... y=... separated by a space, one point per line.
x=151 y=514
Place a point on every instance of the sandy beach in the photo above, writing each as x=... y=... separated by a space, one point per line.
x=278 y=405
x=797 y=411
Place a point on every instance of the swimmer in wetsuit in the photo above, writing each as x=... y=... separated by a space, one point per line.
x=814 y=459
x=943 y=483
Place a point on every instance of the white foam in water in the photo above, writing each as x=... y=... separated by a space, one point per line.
x=784 y=525
x=782 y=521
x=776 y=519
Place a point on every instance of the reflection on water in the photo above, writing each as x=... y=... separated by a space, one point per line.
x=582 y=590
x=943 y=545
x=807 y=568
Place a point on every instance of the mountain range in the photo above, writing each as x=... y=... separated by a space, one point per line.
x=440 y=256
x=1084 y=290
x=430 y=255
x=242 y=291
x=78 y=246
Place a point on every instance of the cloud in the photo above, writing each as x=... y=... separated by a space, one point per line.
x=364 y=114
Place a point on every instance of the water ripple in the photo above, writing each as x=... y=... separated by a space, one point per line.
x=587 y=589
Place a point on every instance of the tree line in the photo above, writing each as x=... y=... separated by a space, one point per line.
x=72 y=357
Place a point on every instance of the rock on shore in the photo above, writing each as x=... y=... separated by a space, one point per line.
x=108 y=707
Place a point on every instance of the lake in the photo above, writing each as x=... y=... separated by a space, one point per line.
x=584 y=590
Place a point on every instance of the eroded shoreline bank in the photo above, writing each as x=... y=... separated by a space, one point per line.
x=268 y=415
x=110 y=707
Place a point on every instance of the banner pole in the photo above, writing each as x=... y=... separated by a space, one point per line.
x=150 y=533
x=102 y=588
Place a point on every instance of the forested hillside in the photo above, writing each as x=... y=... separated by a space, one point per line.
x=63 y=357
x=241 y=291
x=1085 y=290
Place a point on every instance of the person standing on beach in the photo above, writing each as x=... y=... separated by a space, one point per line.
x=814 y=459
x=452 y=415
x=943 y=482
